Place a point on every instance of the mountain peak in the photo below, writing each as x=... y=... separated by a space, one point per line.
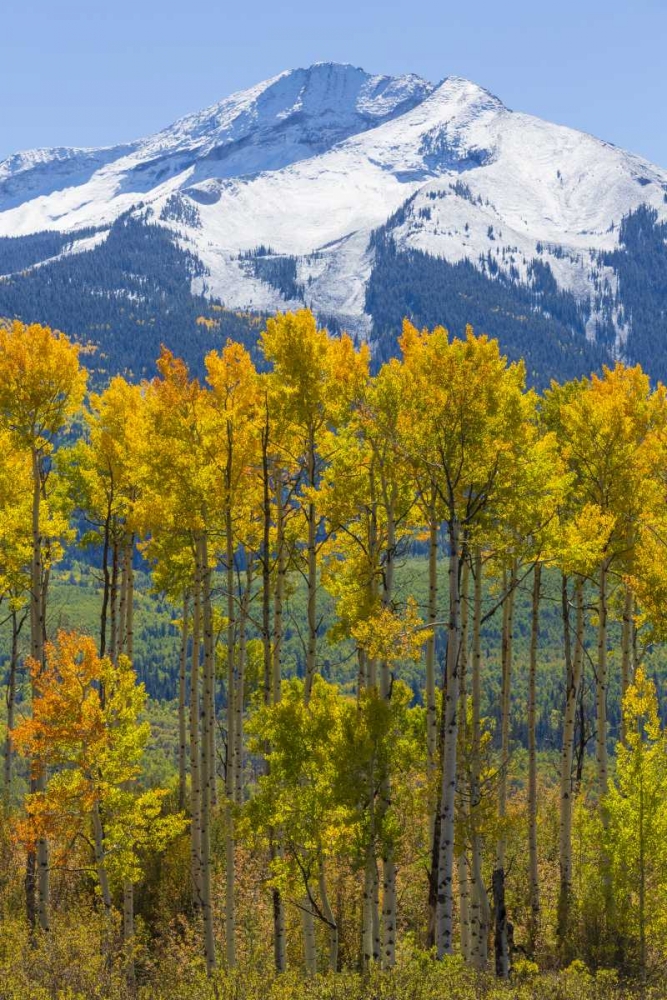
x=314 y=162
x=326 y=101
x=466 y=92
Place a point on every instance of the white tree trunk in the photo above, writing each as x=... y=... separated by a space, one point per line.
x=601 y=752
x=309 y=944
x=626 y=652
x=480 y=910
x=195 y=770
x=501 y=938
x=207 y=767
x=431 y=711
x=534 y=915
x=311 y=578
x=331 y=921
x=444 y=938
x=11 y=709
x=574 y=662
x=102 y=876
x=37 y=633
x=464 y=906
x=182 y=724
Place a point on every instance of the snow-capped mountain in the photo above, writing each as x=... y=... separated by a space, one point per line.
x=280 y=194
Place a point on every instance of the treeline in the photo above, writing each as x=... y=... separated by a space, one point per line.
x=349 y=825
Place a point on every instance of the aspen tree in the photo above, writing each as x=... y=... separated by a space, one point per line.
x=526 y=536
x=15 y=556
x=465 y=409
x=463 y=862
x=533 y=927
x=103 y=483
x=299 y=787
x=179 y=414
x=315 y=378
x=93 y=748
x=41 y=389
x=235 y=402
x=479 y=904
x=607 y=425
x=637 y=818
x=271 y=547
x=390 y=500
x=368 y=500
x=583 y=534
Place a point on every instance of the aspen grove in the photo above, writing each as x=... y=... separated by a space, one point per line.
x=324 y=821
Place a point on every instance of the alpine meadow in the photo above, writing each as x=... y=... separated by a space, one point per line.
x=333 y=554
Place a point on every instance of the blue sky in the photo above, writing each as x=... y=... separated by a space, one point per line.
x=101 y=71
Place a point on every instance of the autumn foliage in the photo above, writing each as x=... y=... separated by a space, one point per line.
x=379 y=807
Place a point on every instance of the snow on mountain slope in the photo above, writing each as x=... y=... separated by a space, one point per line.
x=295 y=115
x=309 y=163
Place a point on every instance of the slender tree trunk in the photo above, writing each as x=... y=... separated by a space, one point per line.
x=207 y=769
x=273 y=672
x=502 y=941
x=601 y=687
x=463 y=791
x=279 y=943
x=581 y=737
x=239 y=694
x=113 y=605
x=375 y=912
x=431 y=712
x=11 y=709
x=182 y=724
x=266 y=570
x=601 y=752
x=367 y=916
x=102 y=876
x=464 y=906
x=371 y=902
x=501 y=935
x=129 y=610
x=195 y=770
x=307 y=919
x=374 y=560
x=127 y=647
x=309 y=944
x=106 y=586
x=122 y=600
x=279 y=594
x=388 y=908
x=128 y=932
x=479 y=900
x=388 y=861
x=445 y=909
x=37 y=632
x=330 y=918
x=231 y=669
x=534 y=917
x=626 y=652
x=311 y=576
x=362 y=673
x=230 y=776
x=507 y=643
x=435 y=844
x=642 y=885
x=573 y=666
